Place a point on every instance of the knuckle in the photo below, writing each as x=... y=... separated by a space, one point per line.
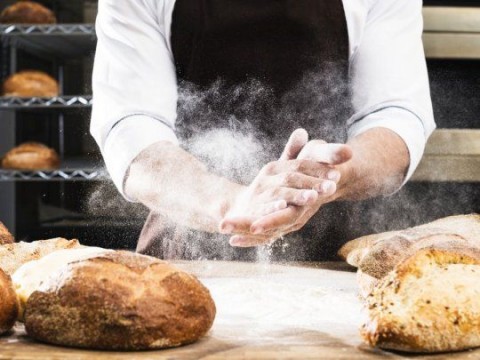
x=289 y=178
x=269 y=168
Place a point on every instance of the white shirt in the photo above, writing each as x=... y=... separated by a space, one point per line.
x=135 y=85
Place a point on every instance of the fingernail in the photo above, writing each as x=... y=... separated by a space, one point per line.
x=328 y=186
x=333 y=175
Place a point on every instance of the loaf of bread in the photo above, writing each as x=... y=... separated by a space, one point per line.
x=429 y=303
x=27 y=12
x=8 y=303
x=377 y=255
x=31 y=156
x=30 y=83
x=13 y=256
x=5 y=236
x=112 y=300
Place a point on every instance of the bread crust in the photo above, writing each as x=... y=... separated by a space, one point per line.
x=428 y=304
x=377 y=255
x=30 y=83
x=12 y=256
x=5 y=236
x=8 y=303
x=120 y=301
x=31 y=156
x=27 y=12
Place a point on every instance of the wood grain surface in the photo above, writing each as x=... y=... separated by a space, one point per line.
x=294 y=311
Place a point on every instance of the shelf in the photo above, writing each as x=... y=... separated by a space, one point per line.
x=72 y=170
x=51 y=41
x=61 y=102
x=451 y=156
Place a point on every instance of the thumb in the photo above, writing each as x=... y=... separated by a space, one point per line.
x=295 y=144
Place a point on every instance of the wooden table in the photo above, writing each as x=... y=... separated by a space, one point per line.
x=295 y=311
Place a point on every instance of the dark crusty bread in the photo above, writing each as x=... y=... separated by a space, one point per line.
x=12 y=256
x=30 y=83
x=119 y=301
x=8 y=303
x=377 y=255
x=31 y=156
x=27 y=12
x=5 y=236
x=429 y=303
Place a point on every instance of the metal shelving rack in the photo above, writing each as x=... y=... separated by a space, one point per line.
x=56 y=43
x=59 y=103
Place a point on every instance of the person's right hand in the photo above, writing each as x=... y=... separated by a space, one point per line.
x=284 y=183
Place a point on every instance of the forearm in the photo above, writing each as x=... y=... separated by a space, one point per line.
x=172 y=182
x=378 y=166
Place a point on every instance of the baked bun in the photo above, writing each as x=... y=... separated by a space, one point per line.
x=30 y=83
x=8 y=303
x=31 y=156
x=429 y=303
x=113 y=300
x=27 y=12
x=5 y=236
x=13 y=256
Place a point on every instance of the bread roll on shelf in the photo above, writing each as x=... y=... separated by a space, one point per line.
x=30 y=83
x=27 y=12
x=31 y=156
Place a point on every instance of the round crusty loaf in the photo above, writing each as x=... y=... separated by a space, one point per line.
x=31 y=156
x=5 y=236
x=30 y=83
x=119 y=301
x=27 y=12
x=429 y=303
x=8 y=303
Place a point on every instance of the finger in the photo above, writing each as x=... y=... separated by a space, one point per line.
x=292 y=196
x=296 y=180
x=295 y=144
x=272 y=207
x=286 y=169
x=236 y=225
x=276 y=221
x=332 y=154
x=246 y=241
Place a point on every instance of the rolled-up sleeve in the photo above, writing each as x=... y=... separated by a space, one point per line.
x=134 y=83
x=389 y=77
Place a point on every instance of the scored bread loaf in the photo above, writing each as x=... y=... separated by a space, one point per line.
x=377 y=255
x=111 y=300
x=5 y=236
x=429 y=303
x=27 y=12
x=8 y=303
x=13 y=256
x=31 y=156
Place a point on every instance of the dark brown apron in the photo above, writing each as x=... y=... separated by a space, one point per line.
x=263 y=67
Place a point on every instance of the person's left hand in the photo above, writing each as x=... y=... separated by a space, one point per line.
x=270 y=227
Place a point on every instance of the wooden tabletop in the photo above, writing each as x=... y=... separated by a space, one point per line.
x=295 y=311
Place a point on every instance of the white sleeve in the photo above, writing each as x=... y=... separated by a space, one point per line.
x=389 y=77
x=134 y=83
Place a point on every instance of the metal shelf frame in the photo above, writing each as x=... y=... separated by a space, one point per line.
x=54 y=175
x=60 y=102
x=59 y=41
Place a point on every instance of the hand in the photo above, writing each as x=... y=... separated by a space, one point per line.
x=286 y=193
